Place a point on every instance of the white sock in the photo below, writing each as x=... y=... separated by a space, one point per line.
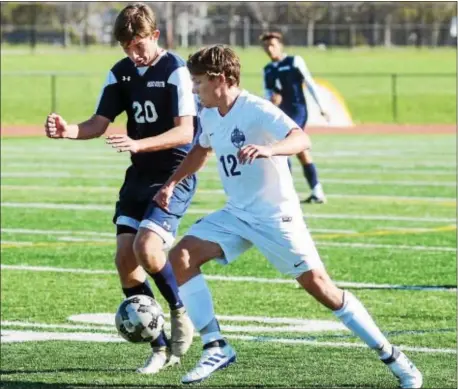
x=318 y=191
x=198 y=302
x=357 y=319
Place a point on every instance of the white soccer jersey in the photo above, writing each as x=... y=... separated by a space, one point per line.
x=262 y=190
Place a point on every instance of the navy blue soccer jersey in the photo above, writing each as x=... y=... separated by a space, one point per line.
x=287 y=78
x=152 y=96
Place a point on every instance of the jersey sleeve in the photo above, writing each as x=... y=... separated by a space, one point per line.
x=268 y=87
x=270 y=83
x=183 y=103
x=299 y=63
x=202 y=136
x=110 y=103
x=276 y=122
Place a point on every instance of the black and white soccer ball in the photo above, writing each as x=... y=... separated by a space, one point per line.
x=139 y=319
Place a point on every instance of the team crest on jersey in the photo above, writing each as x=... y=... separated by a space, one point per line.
x=238 y=138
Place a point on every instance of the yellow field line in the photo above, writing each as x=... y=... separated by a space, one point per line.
x=389 y=232
x=54 y=244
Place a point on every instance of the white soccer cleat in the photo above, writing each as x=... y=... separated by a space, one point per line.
x=213 y=359
x=404 y=370
x=182 y=332
x=156 y=362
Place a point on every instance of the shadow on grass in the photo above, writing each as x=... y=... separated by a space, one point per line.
x=40 y=385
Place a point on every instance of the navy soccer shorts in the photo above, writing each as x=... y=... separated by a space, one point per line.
x=134 y=212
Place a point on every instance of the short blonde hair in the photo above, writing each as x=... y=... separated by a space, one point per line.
x=135 y=20
x=214 y=61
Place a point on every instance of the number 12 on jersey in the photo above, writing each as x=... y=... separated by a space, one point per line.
x=229 y=163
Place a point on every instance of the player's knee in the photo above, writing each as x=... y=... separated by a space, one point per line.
x=180 y=256
x=124 y=258
x=315 y=280
x=148 y=249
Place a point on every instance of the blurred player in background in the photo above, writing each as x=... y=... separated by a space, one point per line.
x=154 y=88
x=252 y=140
x=284 y=80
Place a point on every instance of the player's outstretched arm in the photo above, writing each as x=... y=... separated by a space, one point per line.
x=295 y=142
x=193 y=162
x=179 y=135
x=56 y=127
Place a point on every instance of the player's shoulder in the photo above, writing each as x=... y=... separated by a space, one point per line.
x=269 y=67
x=256 y=104
x=173 y=60
x=124 y=65
x=206 y=114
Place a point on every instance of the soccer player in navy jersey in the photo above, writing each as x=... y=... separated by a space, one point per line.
x=284 y=80
x=154 y=88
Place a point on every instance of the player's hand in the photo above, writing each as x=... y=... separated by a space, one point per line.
x=163 y=196
x=326 y=116
x=249 y=153
x=55 y=126
x=123 y=143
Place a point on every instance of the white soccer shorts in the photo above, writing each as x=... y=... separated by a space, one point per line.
x=288 y=245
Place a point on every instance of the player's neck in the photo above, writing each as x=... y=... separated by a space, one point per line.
x=156 y=55
x=228 y=100
x=279 y=58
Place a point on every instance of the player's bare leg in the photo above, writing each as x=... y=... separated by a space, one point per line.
x=187 y=258
x=317 y=195
x=353 y=314
x=133 y=281
x=149 y=250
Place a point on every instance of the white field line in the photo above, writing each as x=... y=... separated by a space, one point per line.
x=393 y=163
x=242 y=279
x=213 y=192
x=345 y=181
x=97 y=176
x=57 y=232
x=9 y=336
x=306 y=326
x=112 y=234
x=332 y=151
x=213 y=170
x=203 y=211
x=317 y=242
x=391 y=154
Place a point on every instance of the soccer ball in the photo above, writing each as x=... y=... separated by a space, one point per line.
x=139 y=319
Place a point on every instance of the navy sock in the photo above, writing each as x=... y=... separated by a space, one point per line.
x=166 y=282
x=145 y=288
x=310 y=174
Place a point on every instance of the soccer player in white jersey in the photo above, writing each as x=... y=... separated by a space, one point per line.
x=252 y=139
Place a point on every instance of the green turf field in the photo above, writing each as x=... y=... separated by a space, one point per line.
x=390 y=225
x=362 y=76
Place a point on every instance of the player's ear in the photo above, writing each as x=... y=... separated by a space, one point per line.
x=156 y=34
x=222 y=78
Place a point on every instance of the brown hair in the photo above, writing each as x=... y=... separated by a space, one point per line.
x=135 y=20
x=214 y=61
x=271 y=35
